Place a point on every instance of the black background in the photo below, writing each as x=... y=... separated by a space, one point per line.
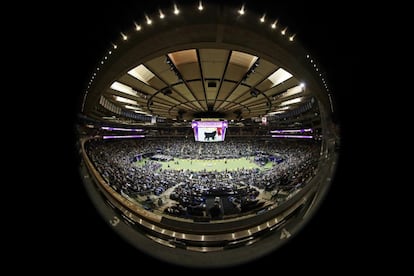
x=332 y=32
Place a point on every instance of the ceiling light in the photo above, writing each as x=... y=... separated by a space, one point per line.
x=292 y=101
x=161 y=14
x=241 y=11
x=137 y=27
x=176 y=10
x=149 y=21
x=124 y=100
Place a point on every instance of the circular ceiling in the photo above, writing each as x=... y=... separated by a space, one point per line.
x=215 y=62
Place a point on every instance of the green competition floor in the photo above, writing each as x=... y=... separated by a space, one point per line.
x=210 y=165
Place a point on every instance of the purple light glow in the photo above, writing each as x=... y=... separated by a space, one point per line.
x=211 y=124
x=122 y=129
x=293 y=136
x=122 y=136
x=292 y=130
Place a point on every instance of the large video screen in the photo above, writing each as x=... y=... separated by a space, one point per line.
x=209 y=131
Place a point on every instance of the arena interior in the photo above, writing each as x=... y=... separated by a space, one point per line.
x=208 y=136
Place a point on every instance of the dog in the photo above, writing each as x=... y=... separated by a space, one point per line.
x=208 y=135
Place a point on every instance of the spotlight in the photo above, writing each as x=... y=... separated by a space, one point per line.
x=254 y=92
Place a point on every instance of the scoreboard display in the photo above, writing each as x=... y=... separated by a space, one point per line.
x=209 y=130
